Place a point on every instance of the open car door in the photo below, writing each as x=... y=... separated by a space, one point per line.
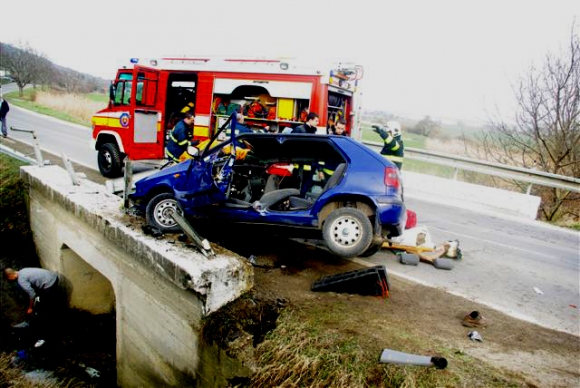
x=146 y=111
x=209 y=176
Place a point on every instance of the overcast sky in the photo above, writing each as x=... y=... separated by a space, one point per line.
x=440 y=58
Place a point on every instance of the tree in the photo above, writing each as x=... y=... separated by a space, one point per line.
x=25 y=65
x=546 y=133
x=427 y=126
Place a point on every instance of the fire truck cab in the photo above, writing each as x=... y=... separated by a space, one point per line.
x=149 y=96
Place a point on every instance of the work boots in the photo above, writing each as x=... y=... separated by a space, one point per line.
x=474 y=319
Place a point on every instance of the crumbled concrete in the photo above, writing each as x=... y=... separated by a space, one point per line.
x=218 y=280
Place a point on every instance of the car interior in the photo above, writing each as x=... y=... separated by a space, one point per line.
x=284 y=173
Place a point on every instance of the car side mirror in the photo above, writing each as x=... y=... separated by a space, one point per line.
x=193 y=151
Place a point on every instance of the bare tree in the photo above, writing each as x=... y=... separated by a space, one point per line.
x=546 y=133
x=25 y=65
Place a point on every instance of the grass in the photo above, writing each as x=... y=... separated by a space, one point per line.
x=98 y=97
x=305 y=350
x=74 y=108
x=11 y=194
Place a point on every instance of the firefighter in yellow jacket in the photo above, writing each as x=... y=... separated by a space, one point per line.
x=393 y=147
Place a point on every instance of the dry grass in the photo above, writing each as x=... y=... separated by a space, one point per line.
x=305 y=351
x=74 y=105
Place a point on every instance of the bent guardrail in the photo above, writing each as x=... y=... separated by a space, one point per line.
x=497 y=169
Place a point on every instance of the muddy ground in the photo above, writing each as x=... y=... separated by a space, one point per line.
x=287 y=269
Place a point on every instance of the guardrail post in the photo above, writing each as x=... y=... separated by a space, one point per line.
x=127 y=180
x=35 y=145
x=69 y=167
x=455 y=173
x=529 y=190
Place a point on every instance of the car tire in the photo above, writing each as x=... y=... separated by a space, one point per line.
x=158 y=213
x=109 y=161
x=347 y=232
x=372 y=249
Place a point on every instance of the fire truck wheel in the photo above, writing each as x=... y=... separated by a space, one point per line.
x=109 y=160
x=159 y=210
x=347 y=232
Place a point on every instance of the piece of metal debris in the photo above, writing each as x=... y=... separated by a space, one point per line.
x=475 y=336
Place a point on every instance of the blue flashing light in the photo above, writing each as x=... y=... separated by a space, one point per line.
x=134 y=60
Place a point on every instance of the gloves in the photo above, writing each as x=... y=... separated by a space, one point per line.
x=378 y=129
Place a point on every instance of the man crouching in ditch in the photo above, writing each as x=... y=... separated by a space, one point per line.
x=41 y=286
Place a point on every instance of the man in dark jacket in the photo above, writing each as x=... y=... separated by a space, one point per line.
x=180 y=138
x=4 y=108
x=310 y=125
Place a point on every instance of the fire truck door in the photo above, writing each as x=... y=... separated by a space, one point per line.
x=147 y=134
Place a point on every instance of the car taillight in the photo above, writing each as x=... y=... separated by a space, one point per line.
x=392 y=177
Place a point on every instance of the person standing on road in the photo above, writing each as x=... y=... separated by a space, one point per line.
x=4 y=108
x=393 y=147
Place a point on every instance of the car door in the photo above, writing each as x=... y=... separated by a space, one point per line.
x=145 y=108
x=208 y=176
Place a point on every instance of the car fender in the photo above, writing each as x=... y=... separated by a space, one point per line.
x=361 y=202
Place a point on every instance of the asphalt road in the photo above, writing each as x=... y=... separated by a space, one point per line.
x=527 y=269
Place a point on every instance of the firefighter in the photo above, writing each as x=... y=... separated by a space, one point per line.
x=179 y=138
x=393 y=147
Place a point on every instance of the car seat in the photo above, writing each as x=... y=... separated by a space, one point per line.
x=297 y=203
x=266 y=201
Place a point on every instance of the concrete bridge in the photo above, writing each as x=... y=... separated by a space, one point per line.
x=159 y=291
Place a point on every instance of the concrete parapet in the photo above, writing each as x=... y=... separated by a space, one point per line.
x=218 y=281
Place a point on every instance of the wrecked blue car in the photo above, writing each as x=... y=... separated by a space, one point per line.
x=333 y=185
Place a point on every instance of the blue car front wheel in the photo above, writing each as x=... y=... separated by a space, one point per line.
x=347 y=232
x=159 y=211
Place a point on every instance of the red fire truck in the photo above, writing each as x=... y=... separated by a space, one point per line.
x=149 y=96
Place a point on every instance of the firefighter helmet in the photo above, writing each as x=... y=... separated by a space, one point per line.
x=394 y=127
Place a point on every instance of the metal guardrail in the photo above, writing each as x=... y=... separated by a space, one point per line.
x=36 y=146
x=490 y=168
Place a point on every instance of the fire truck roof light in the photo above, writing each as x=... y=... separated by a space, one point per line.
x=134 y=60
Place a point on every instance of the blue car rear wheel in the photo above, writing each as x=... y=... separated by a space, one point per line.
x=347 y=232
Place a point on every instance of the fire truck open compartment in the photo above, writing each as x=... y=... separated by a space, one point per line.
x=180 y=97
x=263 y=103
